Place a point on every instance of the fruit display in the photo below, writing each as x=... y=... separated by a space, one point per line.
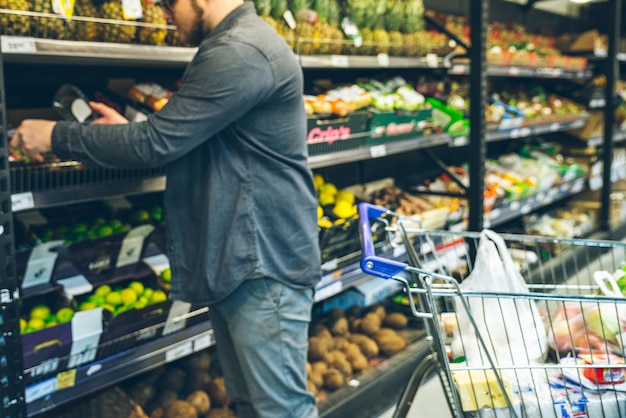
x=14 y=24
x=85 y=30
x=153 y=14
x=41 y=316
x=335 y=206
x=563 y=223
x=116 y=32
x=337 y=101
x=395 y=94
x=121 y=298
x=48 y=27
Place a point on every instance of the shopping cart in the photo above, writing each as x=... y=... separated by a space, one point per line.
x=573 y=285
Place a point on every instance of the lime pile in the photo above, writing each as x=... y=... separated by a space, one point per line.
x=121 y=299
x=41 y=316
x=81 y=230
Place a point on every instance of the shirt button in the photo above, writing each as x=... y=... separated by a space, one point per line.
x=171 y=248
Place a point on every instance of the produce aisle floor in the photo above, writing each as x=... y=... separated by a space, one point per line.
x=429 y=402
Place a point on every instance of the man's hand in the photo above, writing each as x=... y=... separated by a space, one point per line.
x=34 y=138
x=108 y=115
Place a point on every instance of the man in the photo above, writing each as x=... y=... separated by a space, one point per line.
x=239 y=201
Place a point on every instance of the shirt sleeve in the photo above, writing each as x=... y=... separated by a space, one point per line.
x=220 y=86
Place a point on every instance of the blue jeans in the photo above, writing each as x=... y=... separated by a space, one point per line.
x=261 y=332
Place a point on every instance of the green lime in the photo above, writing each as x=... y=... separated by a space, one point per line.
x=159 y=296
x=166 y=275
x=114 y=298
x=103 y=290
x=128 y=296
x=156 y=213
x=140 y=216
x=108 y=307
x=23 y=325
x=148 y=293
x=81 y=227
x=86 y=306
x=105 y=231
x=100 y=221
x=36 y=324
x=51 y=324
x=65 y=315
x=97 y=300
x=138 y=287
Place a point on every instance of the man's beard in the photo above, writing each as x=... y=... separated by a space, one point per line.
x=196 y=34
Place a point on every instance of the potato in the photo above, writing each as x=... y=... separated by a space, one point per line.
x=181 y=409
x=354 y=311
x=312 y=387
x=173 y=379
x=318 y=348
x=198 y=380
x=343 y=365
x=333 y=379
x=341 y=343
x=166 y=397
x=355 y=325
x=217 y=392
x=368 y=347
x=336 y=313
x=201 y=401
x=352 y=350
x=316 y=329
x=371 y=324
x=157 y=413
x=316 y=377
x=339 y=327
x=378 y=310
x=309 y=368
x=396 y=320
x=389 y=341
x=319 y=367
x=359 y=363
x=334 y=356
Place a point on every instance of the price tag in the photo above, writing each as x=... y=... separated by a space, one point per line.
x=432 y=60
x=341 y=61
x=130 y=251
x=595 y=183
x=458 y=69
x=328 y=291
x=578 y=186
x=203 y=342
x=383 y=60
x=487 y=223
x=515 y=133
x=22 y=201
x=514 y=71
x=290 y=19
x=181 y=351
x=18 y=45
x=176 y=319
x=524 y=132
x=377 y=151
x=460 y=141
x=495 y=213
x=555 y=127
x=526 y=209
x=39 y=390
x=399 y=251
x=66 y=379
x=541 y=197
x=515 y=206
x=131 y=9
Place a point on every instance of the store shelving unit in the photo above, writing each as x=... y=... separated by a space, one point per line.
x=44 y=395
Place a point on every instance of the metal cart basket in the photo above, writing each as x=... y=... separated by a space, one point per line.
x=479 y=339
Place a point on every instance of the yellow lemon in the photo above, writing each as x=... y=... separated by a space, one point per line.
x=40 y=311
x=324 y=223
x=128 y=296
x=320 y=212
x=109 y=307
x=103 y=290
x=326 y=199
x=114 y=298
x=148 y=293
x=36 y=324
x=159 y=296
x=23 y=325
x=318 y=180
x=85 y=306
x=344 y=209
x=345 y=195
x=138 y=287
x=51 y=324
x=328 y=188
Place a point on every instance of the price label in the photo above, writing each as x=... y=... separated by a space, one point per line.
x=22 y=201
x=515 y=206
x=131 y=9
x=377 y=151
x=555 y=127
x=328 y=291
x=514 y=71
x=524 y=132
x=432 y=60
x=383 y=60
x=541 y=197
x=66 y=379
x=39 y=390
x=179 y=352
x=526 y=209
x=17 y=45
x=495 y=213
x=578 y=186
x=458 y=69
x=487 y=223
x=203 y=342
x=515 y=133
x=460 y=141
x=595 y=183
x=340 y=61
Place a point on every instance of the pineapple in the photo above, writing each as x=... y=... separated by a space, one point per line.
x=84 y=30
x=116 y=32
x=334 y=31
x=14 y=24
x=380 y=35
x=48 y=27
x=393 y=19
x=412 y=23
x=278 y=9
x=263 y=9
x=153 y=13
x=361 y=13
x=304 y=32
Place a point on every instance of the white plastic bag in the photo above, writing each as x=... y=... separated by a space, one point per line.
x=511 y=328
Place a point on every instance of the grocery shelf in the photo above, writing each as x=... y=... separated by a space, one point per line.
x=513 y=210
x=44 y=396
x=378 y=61
x=87 y=192
x=376 y=151
x=50 y=51
x=523 y=132
x=529 y=72
x=597 y=141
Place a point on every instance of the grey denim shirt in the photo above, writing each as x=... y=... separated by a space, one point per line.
x=239 y=200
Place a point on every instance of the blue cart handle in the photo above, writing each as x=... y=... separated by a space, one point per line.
x=371 y=263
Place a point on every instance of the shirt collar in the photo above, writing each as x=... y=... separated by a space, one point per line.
x=245 y=9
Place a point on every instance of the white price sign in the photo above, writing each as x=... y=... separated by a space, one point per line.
x=18 y=45
x=383 y=60
x=22 y=201
x=328 y=291
x=39 y=390
x=399 y=251
x=341 y=61
x=378 y=151
x=181 y=351
x=203 y=342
